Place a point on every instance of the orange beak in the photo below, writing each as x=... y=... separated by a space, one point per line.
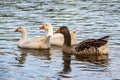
x=58 y=30
x=16 y=30
x=42 y=27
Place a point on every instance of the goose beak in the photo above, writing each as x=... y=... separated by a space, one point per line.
x=58 y=30
x=16 y=30
x=42 y=27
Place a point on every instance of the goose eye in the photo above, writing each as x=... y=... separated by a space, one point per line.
x=19 y=27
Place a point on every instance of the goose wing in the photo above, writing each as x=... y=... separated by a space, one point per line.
x=86 y=44
x=37 y=38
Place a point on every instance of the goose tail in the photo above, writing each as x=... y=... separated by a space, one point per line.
x=105 y=38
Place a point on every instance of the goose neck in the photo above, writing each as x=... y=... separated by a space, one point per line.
x=67 y=39
x=24 y=35
x=50 y=31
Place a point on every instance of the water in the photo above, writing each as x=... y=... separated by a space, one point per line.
x=92 y=19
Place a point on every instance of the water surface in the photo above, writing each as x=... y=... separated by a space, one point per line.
x=91 y=19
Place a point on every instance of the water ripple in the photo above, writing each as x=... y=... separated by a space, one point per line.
x=91 y=19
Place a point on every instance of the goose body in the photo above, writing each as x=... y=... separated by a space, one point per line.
x=33 y=43
x=89 y=46
x=58 y=39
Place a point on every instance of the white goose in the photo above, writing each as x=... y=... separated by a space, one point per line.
x=58 y=39
x=34 y=43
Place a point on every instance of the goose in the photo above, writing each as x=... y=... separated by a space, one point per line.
x=33 y=43
x=58 y=39
x=88 y=46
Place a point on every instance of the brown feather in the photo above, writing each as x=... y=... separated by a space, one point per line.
x=89 y=46
x=90 y=42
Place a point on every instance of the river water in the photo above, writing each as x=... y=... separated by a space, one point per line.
x=91 y=19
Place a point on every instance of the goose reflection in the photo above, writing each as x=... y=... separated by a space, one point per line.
x=96 y=59
x=66 y=63
x=42 y=54
x=66 y=66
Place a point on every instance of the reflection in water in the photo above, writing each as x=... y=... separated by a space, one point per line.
x=96 y=59
x=44 y=54
x=22 y=58
x=101 y=61
x=67 y=62
x=91 y=18
x=66 y=66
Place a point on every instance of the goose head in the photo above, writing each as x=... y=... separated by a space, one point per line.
x=48 y=27
x=45 y=26
x=23 y=31
x=20 y=29
x=73 y=36
x=66 y=33
x=63 y=30
x=73 y=33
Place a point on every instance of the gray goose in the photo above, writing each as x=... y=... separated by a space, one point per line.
x=89 y=46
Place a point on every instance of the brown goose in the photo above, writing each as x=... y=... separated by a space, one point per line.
x=89 y=46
